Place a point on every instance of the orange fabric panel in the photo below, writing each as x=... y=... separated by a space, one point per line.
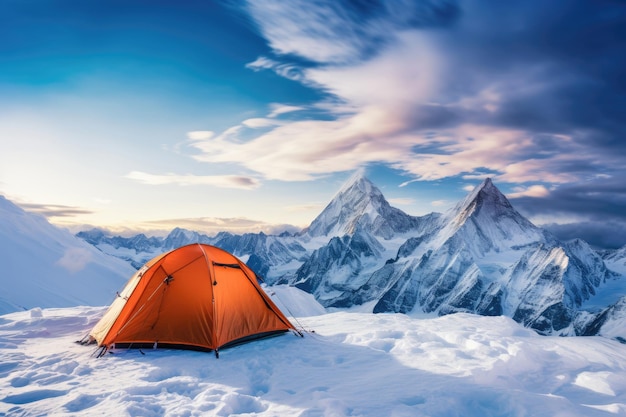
x=240 y=308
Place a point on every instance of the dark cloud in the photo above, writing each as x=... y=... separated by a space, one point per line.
x=558 y=66
x=600 y=199
x=552 y=70
x=599 y=204
x=599 y=234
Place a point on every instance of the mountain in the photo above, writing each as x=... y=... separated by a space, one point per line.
x=430 y=260
x=44 y=266
x=609 y=321
x=360 y=205
x=269 y=256
x=364 y=232
x=482 y=257
x=136 y=250
x=488 y=220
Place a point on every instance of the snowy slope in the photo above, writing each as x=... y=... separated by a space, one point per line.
x=354 y=364
x=44 y=266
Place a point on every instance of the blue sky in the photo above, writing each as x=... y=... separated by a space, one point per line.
x=248 y=116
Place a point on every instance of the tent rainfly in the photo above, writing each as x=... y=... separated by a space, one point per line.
x=194 y=297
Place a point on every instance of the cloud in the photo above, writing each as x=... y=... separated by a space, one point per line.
x=458 y=101
x=280 y=109
x=290 y=71
x=54 y=210
x=596 y=199
x=592 y=210
x=200 y=135
x=439 y=203
x=599 y=234
x=260 y=122
x=302 y=150
x=213 y=225
x=532 y=191
x=305 y=149
x=401 y=201
x=222 y=181
x=305 y=207
x=342 y=31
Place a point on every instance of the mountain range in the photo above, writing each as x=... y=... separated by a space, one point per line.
x=481 y=257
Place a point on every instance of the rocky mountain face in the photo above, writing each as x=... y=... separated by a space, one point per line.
x=482 y=256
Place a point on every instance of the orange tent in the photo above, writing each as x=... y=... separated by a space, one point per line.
x=195 y=297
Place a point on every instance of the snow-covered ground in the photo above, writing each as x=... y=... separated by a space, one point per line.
x=353 y=364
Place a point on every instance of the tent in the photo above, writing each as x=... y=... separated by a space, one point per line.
x=194 y=297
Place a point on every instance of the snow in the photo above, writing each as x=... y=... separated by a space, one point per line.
x=44 y=266
x=348 y=364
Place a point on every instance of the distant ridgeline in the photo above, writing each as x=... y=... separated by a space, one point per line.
x=481 y=257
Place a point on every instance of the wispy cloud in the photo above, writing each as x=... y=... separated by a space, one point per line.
x=278 y=109
x=532 y=191
x=329 y=31
x=54 y=210
x=214 y=225
x=260 y=122
x=290 y=71
x=305 y=207
x=439 y=203
x=200 y=135
x=434 y=104
x=401 y=201
x=222 y=181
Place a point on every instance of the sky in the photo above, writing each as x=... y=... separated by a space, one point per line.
x=249 y=115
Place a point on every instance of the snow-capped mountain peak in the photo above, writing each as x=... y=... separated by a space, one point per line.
x=488 y=215
x=360 y=204
x=485 y=195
